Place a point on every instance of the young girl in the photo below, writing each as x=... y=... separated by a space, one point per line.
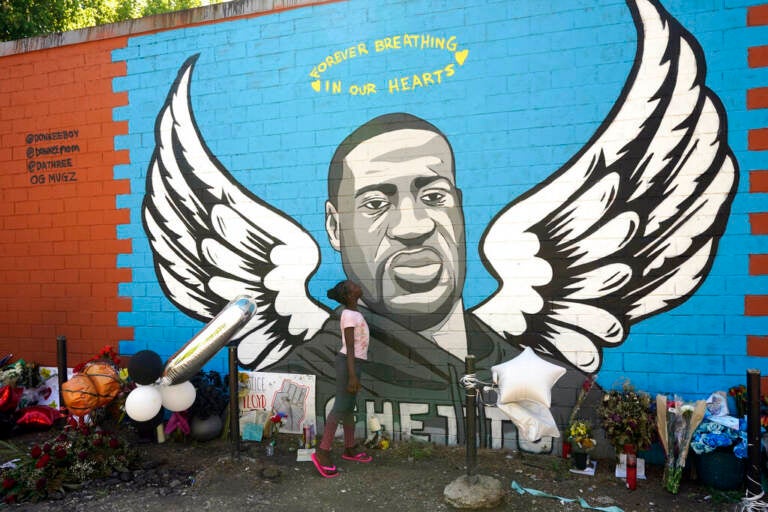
x=354 y=350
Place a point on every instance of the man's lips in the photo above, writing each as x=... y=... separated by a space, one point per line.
x=416 y=270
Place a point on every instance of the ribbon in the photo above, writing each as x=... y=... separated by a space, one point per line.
x=177 y=421
x=580 y=501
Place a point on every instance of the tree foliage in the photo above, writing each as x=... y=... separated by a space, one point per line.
x=27 y=18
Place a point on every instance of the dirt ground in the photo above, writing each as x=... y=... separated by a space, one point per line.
x=191 y=476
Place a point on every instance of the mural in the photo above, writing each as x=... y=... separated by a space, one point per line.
x=626 y=229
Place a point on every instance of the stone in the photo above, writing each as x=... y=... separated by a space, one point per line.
x=474 y=492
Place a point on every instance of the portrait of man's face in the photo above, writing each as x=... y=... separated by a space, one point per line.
x=398 y=223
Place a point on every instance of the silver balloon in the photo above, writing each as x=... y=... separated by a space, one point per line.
x=191 y=358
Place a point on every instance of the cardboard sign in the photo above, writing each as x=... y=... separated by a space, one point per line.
x=262 y=392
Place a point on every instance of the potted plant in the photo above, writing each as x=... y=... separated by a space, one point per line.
x=582 y=442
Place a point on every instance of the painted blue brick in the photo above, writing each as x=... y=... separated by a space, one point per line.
x=686 y=6
x=671 y=383
x=738 y=365
x=707 y=384
x=637 y=362
x=131 y=318
x=143 y=275
x=157 y=319
x=131 y=289
x=745 y=325
x=127 y=232
x=732 y=4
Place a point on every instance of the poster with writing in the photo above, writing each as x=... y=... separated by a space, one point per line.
x=289 y=393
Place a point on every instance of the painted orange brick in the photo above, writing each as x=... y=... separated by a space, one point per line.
x=756 y=305
x=757 y=98
x=758 y=181
x=758 y=223
x=757 y=56
x=757 y=15
x=758 y=264
x=118 y=186
x=758 y=139
x=102 y=203
x=121 y=216
x=104 y=232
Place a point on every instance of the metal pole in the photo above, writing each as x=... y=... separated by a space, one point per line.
x=234 y=411
x=61 y=364
x=754 y=482
x=469 y=369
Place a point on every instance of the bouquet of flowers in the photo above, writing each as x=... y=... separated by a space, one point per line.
x=76 y=455
x=739 y=394
x=580 y=435
x=627 y=418
x=676 y=429
x=709 y=436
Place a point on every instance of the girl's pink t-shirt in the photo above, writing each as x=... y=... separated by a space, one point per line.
x=355 y=320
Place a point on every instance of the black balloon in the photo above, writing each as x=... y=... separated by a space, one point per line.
x=145 y=367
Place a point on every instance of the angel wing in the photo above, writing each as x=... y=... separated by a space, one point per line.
x=213 y=240
x=629 y=226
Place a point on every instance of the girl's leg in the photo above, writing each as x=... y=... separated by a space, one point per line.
x=324 y=450
x=349 y=436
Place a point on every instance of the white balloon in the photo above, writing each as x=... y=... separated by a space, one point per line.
x=178 y=397
x=143 y=403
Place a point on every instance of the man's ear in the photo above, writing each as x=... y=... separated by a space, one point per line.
x=332 y=226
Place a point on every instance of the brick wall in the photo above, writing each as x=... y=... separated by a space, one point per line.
x=518 y=88
x=59 y=216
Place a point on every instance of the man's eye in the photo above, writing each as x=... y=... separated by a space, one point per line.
x=434 y=198
x=375 y=204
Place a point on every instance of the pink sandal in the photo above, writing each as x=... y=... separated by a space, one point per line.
x=358 y=457
x=325 y=471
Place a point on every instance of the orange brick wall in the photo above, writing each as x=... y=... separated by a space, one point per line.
x=58 y=244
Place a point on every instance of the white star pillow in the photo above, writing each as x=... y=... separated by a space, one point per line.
x=526 y=377
x=525 y=393
x=533 y=420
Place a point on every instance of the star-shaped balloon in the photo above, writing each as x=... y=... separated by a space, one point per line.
x=525 y=393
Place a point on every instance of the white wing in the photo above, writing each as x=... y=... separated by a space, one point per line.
x=212 y=240
x=629 y=226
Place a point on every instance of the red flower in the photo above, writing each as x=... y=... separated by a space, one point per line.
x=85 y=430
x=97 y=441
x=36 y=451
x=47 y=448
x=41 y=483
x=8 y=483
x=43 y=461
x=588 y=383
x=114 y=443
x=82 y=455
x=61 y=438
x=60 y=452
x=11 y=498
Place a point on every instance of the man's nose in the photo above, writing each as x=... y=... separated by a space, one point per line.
x=410 y=224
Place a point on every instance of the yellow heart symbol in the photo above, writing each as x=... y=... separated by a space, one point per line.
x=461 y=56
x=316 y=85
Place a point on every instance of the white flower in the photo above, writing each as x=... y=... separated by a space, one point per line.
x=686 y=408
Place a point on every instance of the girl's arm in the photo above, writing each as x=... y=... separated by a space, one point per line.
x=353 y=384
